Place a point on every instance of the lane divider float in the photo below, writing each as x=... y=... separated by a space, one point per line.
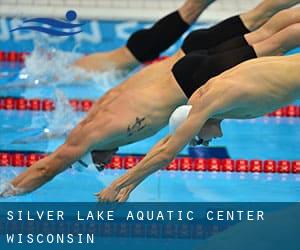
x=26 y=159
x=19 y=57
x=84 y=105
x=13 y=56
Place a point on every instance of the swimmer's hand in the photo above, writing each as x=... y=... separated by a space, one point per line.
x=109 y=194
x=124 y=194
x=7 y=190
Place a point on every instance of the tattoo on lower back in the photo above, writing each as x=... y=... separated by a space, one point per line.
x=137 y=126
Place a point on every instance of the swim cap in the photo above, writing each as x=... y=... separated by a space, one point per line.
x=178 y=117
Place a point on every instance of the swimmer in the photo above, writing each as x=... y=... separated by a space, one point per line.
x=276 y=83
x=138 y=108
x=278 y=22
x=147 y=44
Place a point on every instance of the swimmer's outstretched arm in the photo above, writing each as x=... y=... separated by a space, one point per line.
x=164 y=152
x=43 y=171
x=81 y=139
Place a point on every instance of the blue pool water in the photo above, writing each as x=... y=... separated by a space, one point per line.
x=263 y=138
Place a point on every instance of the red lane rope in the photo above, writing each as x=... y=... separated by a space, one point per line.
x=36 y=104
x=21 y=159
x=19 y=57
x=13 y=56
x=12 y=103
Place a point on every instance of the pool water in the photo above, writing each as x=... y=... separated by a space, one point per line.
x=263 y=138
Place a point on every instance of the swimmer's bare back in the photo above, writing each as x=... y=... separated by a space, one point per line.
x=138 y=107
x=255 y=87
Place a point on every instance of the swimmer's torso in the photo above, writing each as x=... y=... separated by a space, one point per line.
x=260 y=86
x=143 y=103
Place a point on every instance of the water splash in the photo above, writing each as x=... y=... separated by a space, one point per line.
x=58 y=122
x=8 y=190
x=63 y=119
x=48 y=66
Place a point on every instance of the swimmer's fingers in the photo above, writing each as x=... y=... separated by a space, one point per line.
x=107 y=195
x=7 y=193
x=122 y=198
x=123 y=195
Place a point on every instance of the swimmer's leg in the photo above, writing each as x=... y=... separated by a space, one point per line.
x=151 y=41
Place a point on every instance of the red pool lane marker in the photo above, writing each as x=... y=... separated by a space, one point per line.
x=20 y=159
x=19 y=57
x=13 y=103
x=13 y=56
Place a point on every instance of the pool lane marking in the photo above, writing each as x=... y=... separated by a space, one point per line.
x=183 y=163
x=84 y=105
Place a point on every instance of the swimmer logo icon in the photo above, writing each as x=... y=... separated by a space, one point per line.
x=54 y=27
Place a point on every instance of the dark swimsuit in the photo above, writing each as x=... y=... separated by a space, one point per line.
x=211 y=52
x=195 y=69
